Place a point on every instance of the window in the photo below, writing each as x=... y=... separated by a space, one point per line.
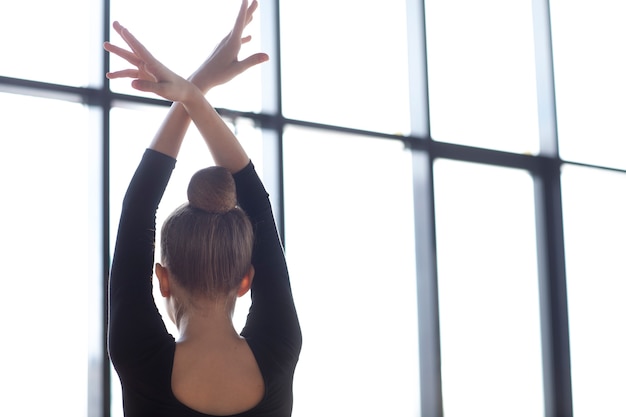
x=347 y=67
x=593 y=207
x=488 y=291
x=590 y=86
x=435 y=166
x=63 y=58
x=481 y=72
x=349 y=234
x=48 y=239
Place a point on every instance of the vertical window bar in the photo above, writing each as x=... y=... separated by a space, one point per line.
x=426 y=258
x=270 y=44
x=97 y=337
x=550 y=240
x=272 y=104
x=546 y=101
x=427 y=287
x=106 y=237
x=418 y=69
x=553 y=292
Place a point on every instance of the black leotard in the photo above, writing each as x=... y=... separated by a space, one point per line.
x=141 y=348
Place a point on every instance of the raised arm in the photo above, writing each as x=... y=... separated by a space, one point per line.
x=220 y=67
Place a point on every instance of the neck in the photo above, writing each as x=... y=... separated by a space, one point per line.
x=209 y=322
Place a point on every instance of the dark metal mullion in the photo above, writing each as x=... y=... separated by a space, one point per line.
x=279 y=125
x=553 y=292
x=484 y=156
x=549 y=224
x=272 y=122
x=106 y=255
x=47 y=90
x=106 y=225
x=431 y=397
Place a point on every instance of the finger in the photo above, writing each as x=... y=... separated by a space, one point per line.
x=121 y=52
x=136 y=46
x=118 y=28
x=121 y=31
x=160 y=89
x=253 y=60
x=246 y=39
x=127 y=73
x=253 y=7
x=249 y=19
x=144 y=85
x=240 y=23
x=250 y=12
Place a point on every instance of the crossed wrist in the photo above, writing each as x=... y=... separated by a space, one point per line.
x=202 y=80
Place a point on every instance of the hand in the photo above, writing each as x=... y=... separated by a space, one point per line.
x=223 y=63
x=149 y=75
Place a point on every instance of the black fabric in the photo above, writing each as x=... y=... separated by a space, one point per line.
x=140 y=347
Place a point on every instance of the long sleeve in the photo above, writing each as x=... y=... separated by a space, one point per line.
x=272 y=315
x=135 y=325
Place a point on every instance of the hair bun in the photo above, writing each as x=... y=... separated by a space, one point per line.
x=213 y=190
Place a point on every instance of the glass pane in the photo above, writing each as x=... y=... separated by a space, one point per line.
x=351 y=254
x=45 y=227
x=481 y=69
x=47 y=41
x=589 y=68
x=188 y=40
x=594 y=204
x=488 y=291
x=131 y=132
x=347 y=67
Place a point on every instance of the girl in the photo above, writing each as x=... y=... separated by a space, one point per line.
x=214 y=248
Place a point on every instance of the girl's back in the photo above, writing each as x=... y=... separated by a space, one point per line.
x=217 y=380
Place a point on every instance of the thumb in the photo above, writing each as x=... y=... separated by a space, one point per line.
x=144 y=85
x=253 y=60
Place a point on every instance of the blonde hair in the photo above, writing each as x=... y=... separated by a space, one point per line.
x=207 y=242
